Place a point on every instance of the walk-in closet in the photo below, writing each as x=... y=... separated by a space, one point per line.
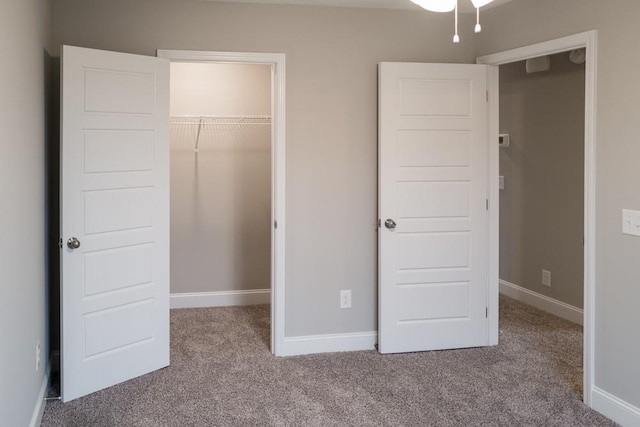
x=220 y=184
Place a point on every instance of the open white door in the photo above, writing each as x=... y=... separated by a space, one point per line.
x=433 y=207
x=114 y=218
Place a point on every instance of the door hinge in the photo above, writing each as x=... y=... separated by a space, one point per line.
x=487 y=201
x=379 y=223
x=487 y=96
x=60 y=243
x=275 y=224
x=486 y=312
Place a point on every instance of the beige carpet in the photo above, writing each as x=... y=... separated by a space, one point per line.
x=222 y=374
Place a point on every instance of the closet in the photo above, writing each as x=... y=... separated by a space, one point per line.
x=220 y=184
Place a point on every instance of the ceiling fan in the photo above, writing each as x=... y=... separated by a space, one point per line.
x=448 y=6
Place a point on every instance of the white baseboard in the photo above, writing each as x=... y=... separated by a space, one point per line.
x=329 y=343
x=38 y=410
x=220 y=299
x=542 y=302
x=612 y=407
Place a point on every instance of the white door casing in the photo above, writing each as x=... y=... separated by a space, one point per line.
x=115 y=201
x=278 y=183
x=434 y=184
x=589 y=41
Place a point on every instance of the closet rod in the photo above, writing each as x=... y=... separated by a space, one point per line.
x=198 y=135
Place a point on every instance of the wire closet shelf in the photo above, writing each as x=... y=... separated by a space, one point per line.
x=219 y=131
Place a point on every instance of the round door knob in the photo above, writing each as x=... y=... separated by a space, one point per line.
x=390 y=224
x=73 y=243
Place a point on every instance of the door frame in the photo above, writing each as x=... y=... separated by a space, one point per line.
x=278 y=183
x=586 y=40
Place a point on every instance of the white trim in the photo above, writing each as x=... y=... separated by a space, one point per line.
x=587 y=40
x=615 y=408
x=550 y=47
x=329 y=343
x=220 y=298
x=38 y=410
x=542 y=302
x=493 y=111
x=278 y=183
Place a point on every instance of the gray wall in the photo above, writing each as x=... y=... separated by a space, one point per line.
x=542 y=205
x=332 y=56
x=221 y=197
x=331 y=103
x=24 y=80
x=617 y=317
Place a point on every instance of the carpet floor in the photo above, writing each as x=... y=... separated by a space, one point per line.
x=222 y=374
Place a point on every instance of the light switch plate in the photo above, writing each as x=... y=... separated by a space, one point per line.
x=631 y=222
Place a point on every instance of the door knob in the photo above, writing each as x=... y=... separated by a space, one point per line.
x=390 y=224
x=73 y=243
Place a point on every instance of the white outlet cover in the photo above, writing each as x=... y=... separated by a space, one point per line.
x=631 y=222
x=345 y=299
x=546 y=278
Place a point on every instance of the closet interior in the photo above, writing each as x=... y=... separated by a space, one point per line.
x=220 y=183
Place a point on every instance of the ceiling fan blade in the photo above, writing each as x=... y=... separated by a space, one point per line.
x=436 y=5
x=479 y=3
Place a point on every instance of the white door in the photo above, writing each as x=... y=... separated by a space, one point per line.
x=115 y=206
x=433 y=202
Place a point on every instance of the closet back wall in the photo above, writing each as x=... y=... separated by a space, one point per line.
x=221 y=196
x=220 y=89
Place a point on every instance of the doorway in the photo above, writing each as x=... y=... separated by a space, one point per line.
x=257 y=128
x=220 y=151
x=220 y=131
x=586 y=41
x=542 y=182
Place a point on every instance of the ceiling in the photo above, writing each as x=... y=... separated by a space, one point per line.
x=465 y=5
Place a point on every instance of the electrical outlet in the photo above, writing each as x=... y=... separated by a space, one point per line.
x=546 y=278
x=37 y=356
x=345 y=299
x=631 y=222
